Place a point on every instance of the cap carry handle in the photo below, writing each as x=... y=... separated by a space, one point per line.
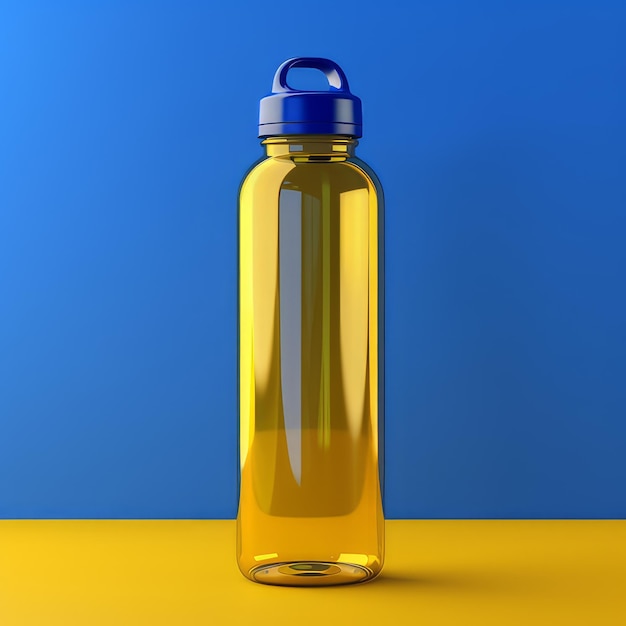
x=334 y=74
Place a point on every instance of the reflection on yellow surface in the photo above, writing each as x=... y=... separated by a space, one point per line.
x=437 y=573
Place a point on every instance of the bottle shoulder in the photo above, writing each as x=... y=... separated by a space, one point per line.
x=253 y=169
x=369 y=172
x=268 y=176
x=269 y=166
x=265 y=174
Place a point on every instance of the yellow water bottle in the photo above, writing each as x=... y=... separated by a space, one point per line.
x=310 y=343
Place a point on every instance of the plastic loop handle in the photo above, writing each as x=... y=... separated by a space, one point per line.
x=334 y=74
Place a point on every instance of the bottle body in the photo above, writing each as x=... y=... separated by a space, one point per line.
x=310 y=509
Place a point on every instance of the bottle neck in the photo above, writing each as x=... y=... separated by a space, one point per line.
x=311 y=147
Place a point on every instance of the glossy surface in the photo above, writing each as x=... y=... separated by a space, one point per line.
x=309 y=366
x=289 y=111
x=437 y=573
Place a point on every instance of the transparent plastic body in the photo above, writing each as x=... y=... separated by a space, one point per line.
x=310 y=357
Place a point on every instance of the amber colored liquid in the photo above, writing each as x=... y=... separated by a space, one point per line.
x=310 y=510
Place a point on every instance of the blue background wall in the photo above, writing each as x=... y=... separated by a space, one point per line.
x=499 y=133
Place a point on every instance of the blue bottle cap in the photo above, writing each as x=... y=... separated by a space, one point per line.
x=288 y=111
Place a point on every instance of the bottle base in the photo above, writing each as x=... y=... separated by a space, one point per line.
x=310 y=574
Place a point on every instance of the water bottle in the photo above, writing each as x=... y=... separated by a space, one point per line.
x=310 y=343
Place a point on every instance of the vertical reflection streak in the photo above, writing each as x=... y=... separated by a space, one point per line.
x=353 y=302
x=323 y=428
x=290 y=255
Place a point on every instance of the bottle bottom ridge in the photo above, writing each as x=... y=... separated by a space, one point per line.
x=310 y=573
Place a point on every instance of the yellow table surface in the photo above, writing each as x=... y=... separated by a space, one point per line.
x=92 y=573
